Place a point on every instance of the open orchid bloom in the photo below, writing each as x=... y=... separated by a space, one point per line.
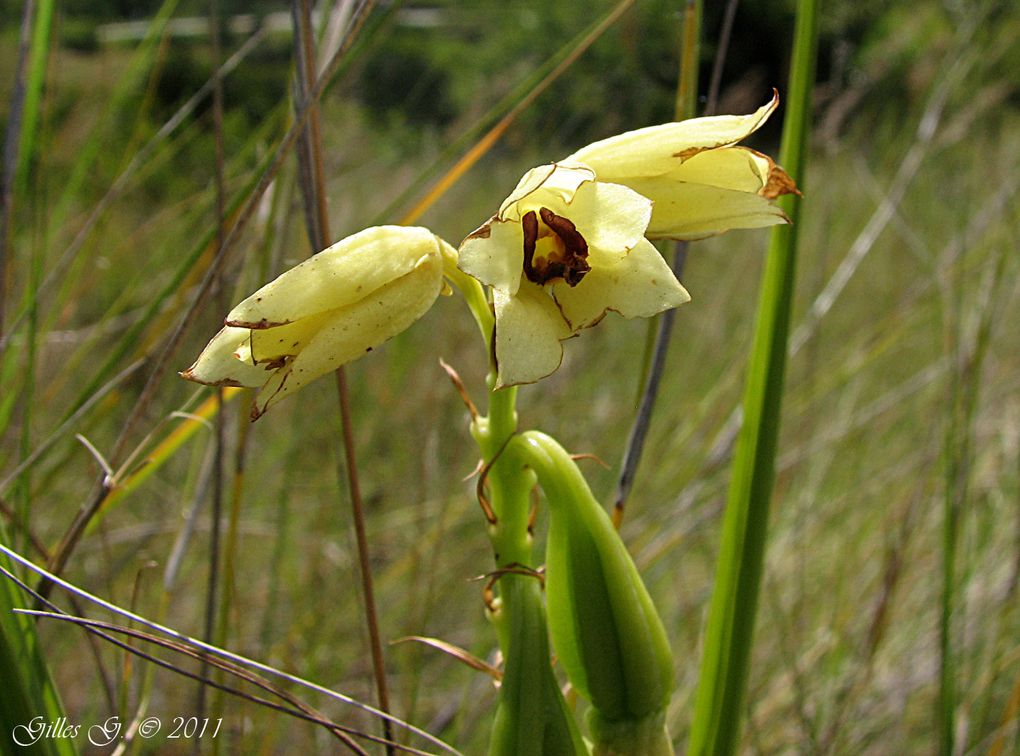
x=700 y=183
x=324 y=312
x=563 y=250
x=569 y=243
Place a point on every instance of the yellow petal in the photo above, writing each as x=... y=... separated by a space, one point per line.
x=220 y=365
x=610 y=217
x=639 y=285
x=735 y=168
x=541 y=186
x=494 y=254
x=338 y=276
x=267 y=345
x=694 y=211
x=657 y=149
x=729 y=168
x=529 y=328
x=349 y=332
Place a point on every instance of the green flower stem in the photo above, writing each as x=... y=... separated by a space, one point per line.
x=473 y=293
x=532 y=718
x=507 y=495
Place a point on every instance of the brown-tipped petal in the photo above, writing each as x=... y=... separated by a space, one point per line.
x=655 y=150
x=529 y=329
x=694 y=211
x=347 y=333
x=494 y=254
x=219 y=364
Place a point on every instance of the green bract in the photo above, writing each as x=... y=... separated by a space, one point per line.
x=532 y=718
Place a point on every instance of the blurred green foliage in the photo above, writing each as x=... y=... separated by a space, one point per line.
x=444 y=60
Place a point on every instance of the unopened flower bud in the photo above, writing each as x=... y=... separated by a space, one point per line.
x=604 y=626
x=326 y=311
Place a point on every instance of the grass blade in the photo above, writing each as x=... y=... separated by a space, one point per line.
x=730 y=629
x=29 y=691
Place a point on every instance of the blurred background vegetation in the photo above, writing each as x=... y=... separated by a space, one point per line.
x=902 y=391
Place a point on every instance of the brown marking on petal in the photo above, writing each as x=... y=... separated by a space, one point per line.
x=529 y=225
x=690 y=152
x=484 y=231
x=572 y=266
x=274 y=364
x=576 y=328
x=778 y=183
x=256 y=413
x=188 y=375
x=259 y=325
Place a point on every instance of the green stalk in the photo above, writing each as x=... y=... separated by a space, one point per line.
x=729 y=632
x=954 y=495
x=28 y=689
x=967 y=353
x=532 y=717
x=39 y=51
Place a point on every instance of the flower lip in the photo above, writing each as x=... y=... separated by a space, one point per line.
x=566 y=251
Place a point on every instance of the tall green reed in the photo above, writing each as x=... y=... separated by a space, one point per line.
x=29 y=691
x=729 y=633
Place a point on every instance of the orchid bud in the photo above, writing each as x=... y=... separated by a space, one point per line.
x=604 y=626
x=324 y=312
x=532 y=718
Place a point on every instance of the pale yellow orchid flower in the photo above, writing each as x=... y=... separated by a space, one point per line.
x=700 y=183
x=569 y=243
x=328 y=310
x=562 y=251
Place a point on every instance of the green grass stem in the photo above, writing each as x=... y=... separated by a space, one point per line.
x=38 y=53
x=730 y=629
x=967 y=350
x=28 y=689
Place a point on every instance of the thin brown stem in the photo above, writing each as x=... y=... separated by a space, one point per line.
x=212 y=586
x=722 y=48
x=686 y=104
x=310 y=158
